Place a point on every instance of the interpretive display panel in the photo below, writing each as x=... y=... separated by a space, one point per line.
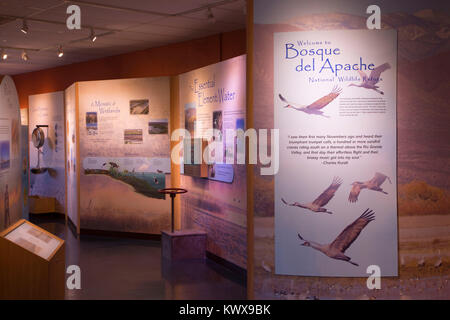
x=420 y=178
x=48 y=109
x=335 y=192
x=11 y=164
x=212 y=101
x=71 y=164
x=124 y=154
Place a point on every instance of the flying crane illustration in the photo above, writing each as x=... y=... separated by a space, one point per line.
x=322 y=200
x=344 y=240
x=373 y=184
x=371 y=81
x=314 y=108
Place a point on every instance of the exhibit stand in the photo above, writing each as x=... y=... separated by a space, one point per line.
x=32 y=264
x=118 y=155
x=181 y=244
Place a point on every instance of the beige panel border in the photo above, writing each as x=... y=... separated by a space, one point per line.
x=77 y=140
x=174 y=123
x=250 y=167
x=66 y=149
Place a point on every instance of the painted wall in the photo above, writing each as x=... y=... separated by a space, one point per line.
x=423 y=133
x=216 y=204
x=48 y=109
x=124 y=154
x=11 y=196
x=162 y=61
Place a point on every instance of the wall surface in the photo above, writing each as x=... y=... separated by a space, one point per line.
x=162 y=61
x=48 y=109
x=423 y=134
x=11 y=164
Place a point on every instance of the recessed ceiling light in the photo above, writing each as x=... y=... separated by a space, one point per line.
x=24 y=28
x=4 y=55
x=60 y=52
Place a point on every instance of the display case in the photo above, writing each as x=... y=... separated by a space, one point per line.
x=32 y=264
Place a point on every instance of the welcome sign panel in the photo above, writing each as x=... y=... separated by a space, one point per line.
x=335 y=192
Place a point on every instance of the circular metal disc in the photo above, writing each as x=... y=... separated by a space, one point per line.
x=38 y=137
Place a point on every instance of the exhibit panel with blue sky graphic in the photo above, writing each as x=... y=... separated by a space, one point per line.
x=125 y=154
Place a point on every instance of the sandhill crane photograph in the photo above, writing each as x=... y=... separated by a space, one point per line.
x=372 y=184
x=369 y=82
x=316 y=106
x=318 y=204
x=337 y=248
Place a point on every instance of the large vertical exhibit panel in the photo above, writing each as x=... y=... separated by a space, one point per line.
x=10 y=154
x=124 y=153
x=48 y=109
x=335 y=90
x=213 y=97
x=72 y=212
x=337 y=152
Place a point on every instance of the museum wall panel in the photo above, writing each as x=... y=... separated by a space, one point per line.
x=71 y=158
x=213 y=97
x=48 y=109
x=11 y=164
x=422 y=151
x=122 y=155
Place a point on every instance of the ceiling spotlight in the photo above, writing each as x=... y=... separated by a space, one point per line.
x=4 y=55
x=211 y=18
x=24 y=28
x=92 y=36
x=24 y=56
x=60 y=52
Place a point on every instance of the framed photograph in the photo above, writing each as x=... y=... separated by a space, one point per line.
x=5 y=158
x=133 y=136
x=218 y=123
x=91 y=123
x=139 y=106
x=158 y=126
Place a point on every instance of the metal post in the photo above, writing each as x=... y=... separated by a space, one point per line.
x=172 y=195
